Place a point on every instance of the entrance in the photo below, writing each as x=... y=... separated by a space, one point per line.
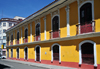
x=56 y=52
x=38 y=54
x=17 y=53
x=26 y=53
x=87 y=53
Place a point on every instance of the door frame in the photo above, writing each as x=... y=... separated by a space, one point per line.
x=27 y=53
x=35 y=52
x=94 y=48
x=59 y=52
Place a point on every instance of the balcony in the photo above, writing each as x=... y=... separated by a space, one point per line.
x=85 y=28
x=37 y=38
x=11 y=43
x=17 y=41
x=7 y=43
x=25 y=40
x=54 y=34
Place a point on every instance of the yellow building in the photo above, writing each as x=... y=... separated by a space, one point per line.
x=65 y=33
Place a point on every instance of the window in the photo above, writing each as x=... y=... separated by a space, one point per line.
x=4 y=24
x=4 y=30
x=38 y=29
x=4 y=37
x=10 y=24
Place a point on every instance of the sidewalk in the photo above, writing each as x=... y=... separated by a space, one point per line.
x=39 y=65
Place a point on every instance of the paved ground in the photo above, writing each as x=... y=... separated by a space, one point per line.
x=14 y=64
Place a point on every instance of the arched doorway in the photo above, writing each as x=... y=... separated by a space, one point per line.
x=26 y=36
x=55 y=27
x=37 y=38
x=86 y=24
x=7 y=53
x=26 y=53
x=55 y=53
x=87 y=53
x=11 y=53
x=38 y=53
x=17 y=53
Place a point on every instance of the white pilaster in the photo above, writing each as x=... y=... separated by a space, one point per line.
x=45 y=27
x=31 y=32
x=67 y=18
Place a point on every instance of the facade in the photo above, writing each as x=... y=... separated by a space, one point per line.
x=6 y=23
x=65 y=33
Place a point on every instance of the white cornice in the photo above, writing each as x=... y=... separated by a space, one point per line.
x=82 y=36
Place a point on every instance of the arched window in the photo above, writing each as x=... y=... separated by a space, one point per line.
x=55 y=33
x=38 y=29
x=86 y=24
x=8 y=41
x=11 y=39
x=55 y=23
x=26 y=33
x=17 y=35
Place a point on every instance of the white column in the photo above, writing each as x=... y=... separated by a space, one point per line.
x=31 y=32
x=67 y=18
x=45 y=27
x=21 y=35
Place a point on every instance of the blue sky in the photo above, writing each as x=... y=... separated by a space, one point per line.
x=23 y=8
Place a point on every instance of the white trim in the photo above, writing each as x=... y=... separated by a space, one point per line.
x=45 y=28
x=67 y=20
x=94 y=47
x=31 y=32
x=35 y=52
x=92 y=3
x=59 y=52
x=27 y=53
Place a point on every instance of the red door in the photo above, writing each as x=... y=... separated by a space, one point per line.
x=86 y=18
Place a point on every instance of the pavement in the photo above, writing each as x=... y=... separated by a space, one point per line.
x=38 y=64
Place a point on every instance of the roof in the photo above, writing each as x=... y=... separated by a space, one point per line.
x=36 y=13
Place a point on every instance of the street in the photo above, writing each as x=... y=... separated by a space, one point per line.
x=15 y=65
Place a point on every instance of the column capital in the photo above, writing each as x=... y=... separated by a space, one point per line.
x=67 y=8
x=44 y=18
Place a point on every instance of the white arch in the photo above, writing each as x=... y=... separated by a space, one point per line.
x=94 y=47
x=16 y=52
x=92 y=3
x=59 y=52
x=27 y=53
x=40 y=52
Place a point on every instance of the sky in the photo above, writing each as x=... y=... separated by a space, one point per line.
x=23 y=8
